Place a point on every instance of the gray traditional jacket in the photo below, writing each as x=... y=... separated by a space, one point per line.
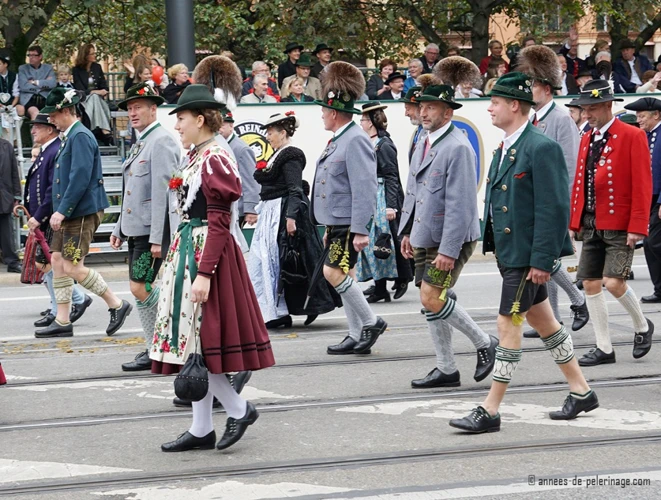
x=245 y=158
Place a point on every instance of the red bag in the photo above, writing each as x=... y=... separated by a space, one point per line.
x=32 y=272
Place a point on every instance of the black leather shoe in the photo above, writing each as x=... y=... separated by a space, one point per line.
x=117 y=317
x=187 y=441
x=369 y=291
x=401 y=290
x=77 y=310
x=477 y=422
x=239 y=380
x=573 y=407
x=596 y=357
x=45 y=321
x=436 y=378
x=374 y=298
x=284 y=322
x=531 y=334
x=370 y=335
x=344 y=347
x=651 y=299
x=234 y=428
x=486 y=358
x=45 y=312
x=581 y=316
x=141 y=362
x=310 y=319
x=183 y=403
x=642 y=342
x=55 y=330
x=14 y=268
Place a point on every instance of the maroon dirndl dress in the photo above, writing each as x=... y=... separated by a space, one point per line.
x=233 y=336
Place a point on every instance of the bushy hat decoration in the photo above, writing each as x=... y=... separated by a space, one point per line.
x=540 y=63
x=455 y=70
x=223 y=78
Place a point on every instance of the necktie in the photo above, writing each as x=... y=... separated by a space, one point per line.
x=535 y=121
x=427 y=146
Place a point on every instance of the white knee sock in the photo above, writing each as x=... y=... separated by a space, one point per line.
x=564 y=281
x=441 y=335
x=599 y=316
x=202 y=422
x=630 y=302
x=235 y=405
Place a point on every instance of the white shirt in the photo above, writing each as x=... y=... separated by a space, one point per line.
x=44 y=146
x=564 y=90
x=66 y=132
x=145 y=130
x=342 y=129
x=543 y=111
x=396 y=96
x=581 y=127
x=508 y=141
x=603 y=129
x=436 y=134
x=635 y=78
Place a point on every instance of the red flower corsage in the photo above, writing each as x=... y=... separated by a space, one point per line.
x=261 y=165
x=289 y=113
x=142 y=91
x=175 y=183
x=330 y=102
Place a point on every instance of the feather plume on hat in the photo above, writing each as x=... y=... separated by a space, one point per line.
x=541 y=64
x=223 y=78
x=342 y=77
x=426 y=80
x=455 y=70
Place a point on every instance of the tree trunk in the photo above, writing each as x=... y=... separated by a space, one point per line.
x=649 y=31
x=619 y=29
x=481 y=10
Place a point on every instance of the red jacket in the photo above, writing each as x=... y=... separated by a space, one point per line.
x=623 y=182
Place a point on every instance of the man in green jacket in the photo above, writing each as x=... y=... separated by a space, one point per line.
x=526 y=216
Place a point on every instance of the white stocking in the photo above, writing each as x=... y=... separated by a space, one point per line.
x=202 y=423
x=235 y=405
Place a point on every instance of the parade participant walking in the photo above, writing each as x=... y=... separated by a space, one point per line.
x=39 y=203
x=412 y=111
x=344 y=200
x=528 y=237
x=78 y=203
x=151 y=162
x=283 y=229
x=541 y=63
x=390 y=197
x=440 y=229
x=206 y=289
x=648 y=114
x=610 y=210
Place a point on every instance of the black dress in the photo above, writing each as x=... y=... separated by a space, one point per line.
x=172 y=92
x=299 y=254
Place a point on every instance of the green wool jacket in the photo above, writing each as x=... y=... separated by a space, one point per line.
x=526 y=211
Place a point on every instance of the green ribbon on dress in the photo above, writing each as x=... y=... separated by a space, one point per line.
x=186 y=256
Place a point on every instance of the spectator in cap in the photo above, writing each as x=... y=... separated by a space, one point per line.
x=631 y=67
x=311 y=85
x=9 y=91
x=415 y=70
x=288 y=68
x=179 y=80
x=376 y=85
x=323 y=53
x=651 y=81
x=395 y=82
x=430 y=58
x=261 y=68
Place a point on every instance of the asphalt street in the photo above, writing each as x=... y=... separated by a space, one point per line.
x=74 y=426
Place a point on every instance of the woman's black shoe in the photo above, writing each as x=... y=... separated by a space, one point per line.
x=284 y=322
x=234 y=428
x=187 y=441
x=372 y=299
x=310 y=319
x=369 y=291
x=401 y=290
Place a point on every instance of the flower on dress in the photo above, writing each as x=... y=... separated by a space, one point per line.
x=289 y=113
x=261 y=165
x=165 y=346
x=176 y=182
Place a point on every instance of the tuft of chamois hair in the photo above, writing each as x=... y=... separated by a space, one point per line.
x=428 y=79
x=340 y=76
x=220 y=72
x=455 y=70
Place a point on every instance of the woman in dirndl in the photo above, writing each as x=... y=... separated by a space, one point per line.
x=389 y=201
x=207 y=301
x=286 y=246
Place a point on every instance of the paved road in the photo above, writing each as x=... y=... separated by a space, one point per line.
x=73 y=426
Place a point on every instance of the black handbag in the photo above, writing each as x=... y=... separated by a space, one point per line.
x=292 y=269
x=382 y=246
x=192 y=382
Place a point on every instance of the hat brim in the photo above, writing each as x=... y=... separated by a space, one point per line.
x=198 y=105
x=399 y=77
x=307 y=65
x=506 y=95
x=431 y=98
x=299 y=47
x=274 y=121
x=331 y=49
x=47 y=110
x=640 y=105
x=373 y=108
x=48 y=124
x=352 y=111
x=156 y=98
x=586 y=101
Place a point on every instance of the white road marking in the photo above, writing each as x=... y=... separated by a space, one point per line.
x=19 y=470
x=226 y=490
x=513 y=413
x=18 y=377
x=34 y=297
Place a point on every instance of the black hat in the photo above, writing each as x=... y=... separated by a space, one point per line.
x=196 y=96
x=627 y=44
x=595 y=92
x=584 y=72
x=291 y=46
x=373 y=106
x=394 y=76
x=4 y=58
x=41 y=119
x=572 y=104
x=439 y=93
x=645 y=104
x=412 y=95
x=320 y=47
x=142 y=90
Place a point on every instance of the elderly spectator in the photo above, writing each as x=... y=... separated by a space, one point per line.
x=323 y=53
x=489 y=65
x=569 y=85
x=430 y=58
x=312 y=85
x=133 y=69
x=261 y=68
x=631 y=67
x=179 y=80
x=88 y=77
x=35 y=80
x=9 y=91
x=395 y=82
x=415 y=70
x=259 y=94
x=651 y=81
x=288 y=68
x=569 y=50
x=295 y=91
x=376 y=85
x=10 y=196
x=465 y=90
x=453 y=51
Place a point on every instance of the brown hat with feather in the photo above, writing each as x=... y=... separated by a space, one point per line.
x=342 y=84
x=541 y=64
x=223 y=78
x=455 y=70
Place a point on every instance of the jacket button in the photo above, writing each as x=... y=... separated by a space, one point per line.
x=128 y=193
x=57 y=181
x=131 y=172
x=128 y=210
x=504 y=209
x=57 y=165
x=58 y=196
x=424 y=183
x=503 y=187
x=488 y=180
x=417 y=220
x=507 y=230
x=323 y=181
x=101 y=181
x=611 y=212
x=323 y=196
